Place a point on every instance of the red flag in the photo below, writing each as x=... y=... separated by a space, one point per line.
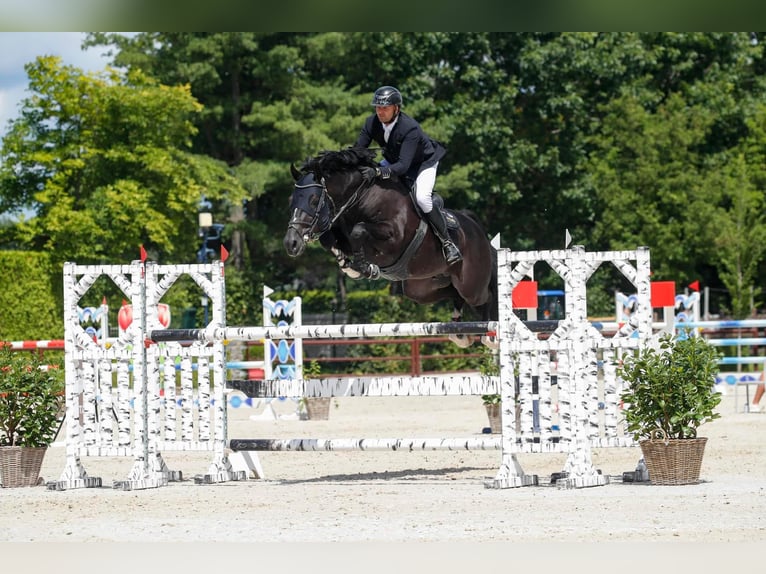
x=143 y=254
x=694 y=286
x=224 y=254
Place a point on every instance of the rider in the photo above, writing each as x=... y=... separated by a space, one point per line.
x=408 y=153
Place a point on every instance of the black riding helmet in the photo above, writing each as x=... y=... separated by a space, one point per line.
x=387 y=96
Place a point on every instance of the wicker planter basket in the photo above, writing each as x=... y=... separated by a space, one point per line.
x=318 y=408
x=493 y=413
x=20 y=465
x=673 y=461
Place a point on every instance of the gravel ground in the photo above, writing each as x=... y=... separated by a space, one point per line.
x=365 y=501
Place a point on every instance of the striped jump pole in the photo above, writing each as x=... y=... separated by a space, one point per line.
x=217 y=334
x=380 y=386
x=53 y=344
x=398 y=444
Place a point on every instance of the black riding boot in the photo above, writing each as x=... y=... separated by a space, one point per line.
x=439 y=225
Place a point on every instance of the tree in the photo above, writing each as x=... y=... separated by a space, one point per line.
x=98 y=164
x=739 y=241
x=676 y=163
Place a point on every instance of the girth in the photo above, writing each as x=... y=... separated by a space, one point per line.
x=398 y=271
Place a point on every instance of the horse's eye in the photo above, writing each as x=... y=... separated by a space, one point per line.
x=314 y=200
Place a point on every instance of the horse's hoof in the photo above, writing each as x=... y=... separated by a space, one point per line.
x=351 y=273
x=490 y=342
x=462 y=341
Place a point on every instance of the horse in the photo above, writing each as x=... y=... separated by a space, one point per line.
x=375 y=230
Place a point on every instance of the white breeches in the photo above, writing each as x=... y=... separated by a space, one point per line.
x=424 y=188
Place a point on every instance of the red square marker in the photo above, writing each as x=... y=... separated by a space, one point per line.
x=524 y=295
x=663 y=293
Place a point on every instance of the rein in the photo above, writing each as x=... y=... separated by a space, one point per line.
x=351 y=200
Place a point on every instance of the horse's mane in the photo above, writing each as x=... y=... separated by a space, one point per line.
x=328 y=162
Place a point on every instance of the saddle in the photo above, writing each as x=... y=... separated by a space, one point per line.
x=438 y=203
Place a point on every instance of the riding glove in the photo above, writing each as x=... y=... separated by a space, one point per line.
x=370 y=173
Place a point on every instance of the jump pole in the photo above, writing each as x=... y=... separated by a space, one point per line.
x=371 y=444
x=215 y=334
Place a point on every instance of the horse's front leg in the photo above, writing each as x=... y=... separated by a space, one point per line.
x=346 y=265
x=358 y=266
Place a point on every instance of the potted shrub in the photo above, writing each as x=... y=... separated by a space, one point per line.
x=669 y=393
x=492 y=404
x=30 y=401
x=317 y=408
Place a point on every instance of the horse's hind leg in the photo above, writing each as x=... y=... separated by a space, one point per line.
x=490 y=341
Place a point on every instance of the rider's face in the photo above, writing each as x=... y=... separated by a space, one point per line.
x=385 y=113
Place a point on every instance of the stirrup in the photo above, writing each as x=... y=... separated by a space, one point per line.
x=451 y=253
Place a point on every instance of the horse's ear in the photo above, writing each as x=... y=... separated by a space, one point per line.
x=295 y=172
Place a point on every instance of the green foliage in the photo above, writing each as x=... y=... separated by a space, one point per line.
x=312 y=370
x=30 y=297
x=244 y=298
x=318 y=301
x=102 y=162
x=30 y=399
x=737 y=242
x=671 y=388
x=491 y=399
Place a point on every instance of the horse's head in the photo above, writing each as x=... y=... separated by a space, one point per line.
x=310 y=212
x=322 y=183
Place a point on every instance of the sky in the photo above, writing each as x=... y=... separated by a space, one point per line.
x=20 y=48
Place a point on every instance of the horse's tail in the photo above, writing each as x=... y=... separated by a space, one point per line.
x=492 y=304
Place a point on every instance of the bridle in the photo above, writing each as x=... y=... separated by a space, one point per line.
x=313 y=230
x=308 y=231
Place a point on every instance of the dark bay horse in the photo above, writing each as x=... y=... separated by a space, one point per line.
x=375 y=231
